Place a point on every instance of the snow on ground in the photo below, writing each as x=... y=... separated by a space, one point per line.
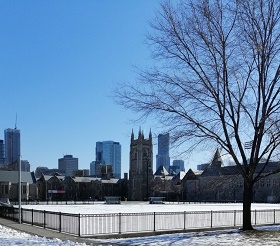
x=269 y=235
x=264 y=236
x=10 y=237
x=144 y=207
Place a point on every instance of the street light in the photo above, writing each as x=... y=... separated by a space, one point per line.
x=19 y=190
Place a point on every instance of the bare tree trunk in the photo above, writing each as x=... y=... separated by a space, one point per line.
x=247 y=200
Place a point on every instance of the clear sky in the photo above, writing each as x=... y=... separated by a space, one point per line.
x=59 y=61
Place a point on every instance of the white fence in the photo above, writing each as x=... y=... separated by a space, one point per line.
x=122 y=223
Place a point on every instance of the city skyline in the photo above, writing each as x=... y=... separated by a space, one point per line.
x=59 y=64
x=111 y=149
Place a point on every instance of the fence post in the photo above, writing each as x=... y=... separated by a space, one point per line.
x=255 y=216
x=32 y=217
x=79 y=225
x=59 y=221
x=44 y=218
x=211 y=218
x=234 y=222
x=274 y=216
x=120 y=224
x=184 y=220
x=154 y=221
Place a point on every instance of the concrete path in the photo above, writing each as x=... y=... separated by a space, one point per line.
x=41 y=232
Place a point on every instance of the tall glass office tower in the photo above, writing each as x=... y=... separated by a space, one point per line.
x=2 y=152
x=109 y=153
x=162 y=158
x=12 y=145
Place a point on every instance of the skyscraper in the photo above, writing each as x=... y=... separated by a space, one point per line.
x=177 y=166
x=68 y=164
x=109 y=153
x=162 y=158
x=12 y=145
x=2 y=152
x=25 y=166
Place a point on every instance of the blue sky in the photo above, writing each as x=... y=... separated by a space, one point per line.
x=59 y=61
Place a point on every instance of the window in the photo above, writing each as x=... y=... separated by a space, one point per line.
x=5 y=189
x=268 y=183
x=24 y=189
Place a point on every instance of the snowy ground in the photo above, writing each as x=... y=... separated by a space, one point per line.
x=263 y=236
x=144 y=207
x=9 y=237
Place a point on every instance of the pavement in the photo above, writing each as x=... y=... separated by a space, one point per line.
x=41 y=232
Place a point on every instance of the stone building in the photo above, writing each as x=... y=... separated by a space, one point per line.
x=66 y=188
x=140 y=167
x=9 y=185
x=216 y=183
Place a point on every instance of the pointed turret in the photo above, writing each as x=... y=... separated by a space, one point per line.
x=132 y=135
x=217 y=160
x=139 y=133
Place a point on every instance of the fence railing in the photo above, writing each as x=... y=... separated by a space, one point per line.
x=122 y=223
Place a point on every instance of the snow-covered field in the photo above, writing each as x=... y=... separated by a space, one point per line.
x=269 y=235
x=144 y=207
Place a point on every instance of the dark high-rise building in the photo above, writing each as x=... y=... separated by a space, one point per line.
x=2 y=152
x=68 y=164
x=25 y=166
x=12 y=146
x=162 y=158
x=140 y=167
x=177 y=166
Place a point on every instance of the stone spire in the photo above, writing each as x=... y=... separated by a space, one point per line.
x=132 y=135
x=217 y=160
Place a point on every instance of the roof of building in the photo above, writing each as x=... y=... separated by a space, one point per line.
x=161 y=171
x=13 y=176
x=234 y=170
x=48 y=177
x=110 y=181
x=85 y=179
x=179 y=176
x=217 y=160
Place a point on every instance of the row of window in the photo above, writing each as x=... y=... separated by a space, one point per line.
x=5 y=189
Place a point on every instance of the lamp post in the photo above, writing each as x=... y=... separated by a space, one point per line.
x=19 y=190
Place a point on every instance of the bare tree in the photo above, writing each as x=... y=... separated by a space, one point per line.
x=215 y=80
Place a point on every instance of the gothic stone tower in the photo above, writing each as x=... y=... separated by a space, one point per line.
x=140 y=167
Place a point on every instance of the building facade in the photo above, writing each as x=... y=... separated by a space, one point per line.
x=178 y=165
x=162 y=158
x=12 y=146
x=9 y=185
x=25 y=166
x=2 y=152
x=68 y=164
x=109 y=153
x=62 y=188
x=140 y=167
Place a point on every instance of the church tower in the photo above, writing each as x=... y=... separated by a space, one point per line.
x=140 y=167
